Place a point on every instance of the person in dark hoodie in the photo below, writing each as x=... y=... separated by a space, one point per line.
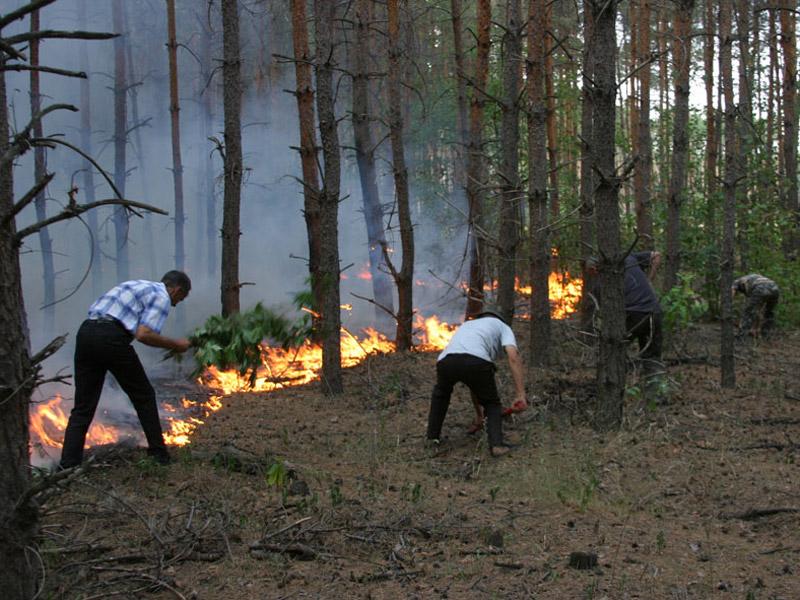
x=643 y=314
x=470 y=358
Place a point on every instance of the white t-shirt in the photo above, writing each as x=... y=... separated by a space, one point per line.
x=485 y=338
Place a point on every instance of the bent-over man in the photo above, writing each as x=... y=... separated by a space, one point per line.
x=131 y=310
x=470 y=358
x=762 y=297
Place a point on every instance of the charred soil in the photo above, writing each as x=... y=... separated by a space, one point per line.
x=293 y=494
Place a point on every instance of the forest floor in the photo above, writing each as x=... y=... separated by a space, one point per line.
x=292 y=494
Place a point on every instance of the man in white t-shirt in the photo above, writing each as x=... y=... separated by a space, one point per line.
x=470 y=358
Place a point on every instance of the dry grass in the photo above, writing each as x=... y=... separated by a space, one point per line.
x=662 y=502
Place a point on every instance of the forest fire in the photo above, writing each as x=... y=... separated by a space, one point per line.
x=280 y=368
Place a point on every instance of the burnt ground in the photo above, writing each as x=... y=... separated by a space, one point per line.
x=293 y=494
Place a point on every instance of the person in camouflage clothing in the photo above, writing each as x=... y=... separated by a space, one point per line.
x=762 y=297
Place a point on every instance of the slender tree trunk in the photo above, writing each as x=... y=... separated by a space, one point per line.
x=324 y=18
x=682 y=55
x=461 y=97
x=727 y=362
x=537 y=187
x=663 y=97
x=712 y=150
x=509 y=171
x=207 y=93
x=405 y=276
x=643 y=170
x=365 y=158
x=550 y=97
x=232 y=106
x=18 y=525
x=745 y=125
x=611 y=363
x=174 y=112
x=587 y=174
x=308 y=155
x=120 y=139
x=790 y=194
x=39 y=171
x=476 y=170
x=774 y=65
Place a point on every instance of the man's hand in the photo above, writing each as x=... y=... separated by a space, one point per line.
x=182 y=345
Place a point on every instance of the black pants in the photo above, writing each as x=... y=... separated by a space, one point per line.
x=647 y=330
x=478 y=375
x=103 y=346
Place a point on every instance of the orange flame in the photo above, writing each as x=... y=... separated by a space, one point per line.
x=49 y=420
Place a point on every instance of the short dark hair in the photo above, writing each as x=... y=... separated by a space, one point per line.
x=177 y=279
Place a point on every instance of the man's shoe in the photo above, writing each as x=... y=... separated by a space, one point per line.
x=501 y=450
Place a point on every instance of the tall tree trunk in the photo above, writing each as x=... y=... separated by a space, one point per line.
x=206 y=92
x=308 y=155
x=773 y=84
x=509 y=170
x=476 y=170
x=325 y=62
x=663 y=97
x=550 y=98
x=120 y=138
x=727 y=362
x=745 y=125
x=405 y=276
x=790 y=195
x=18 y=575
x=39 y=171
x=461 y=97
x=587 y=171
x=174 y=112
x=232 y=106
x=711 y=159
x=643 y=170
x=365 y=158
x=682 y=55
x=537 y=187
x=96 y=268
x=611 y=363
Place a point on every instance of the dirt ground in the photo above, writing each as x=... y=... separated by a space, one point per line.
x=293 y=494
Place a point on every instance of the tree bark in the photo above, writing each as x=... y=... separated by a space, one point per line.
x=643 y=170
x=120 y=139
x=550 y=122
x=329 y=307
x=461 y=98
x=39 y=171
x=711 y=160
x=790 y=193
x=537 y=187
x=232 y=106
x=174 y=112
x=509 y=170
x=405 y=276
x=727 y=361
x=209 y=202
x=476 y=171
x=365 y=158
x=587 y=169
x=611 y=362
x=682 y=55
x=745 y=124
x=308 y=155
x=18 y=526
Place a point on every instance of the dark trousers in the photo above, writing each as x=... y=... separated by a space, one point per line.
x=761 y=302
x=103 y=346
x=478 y=375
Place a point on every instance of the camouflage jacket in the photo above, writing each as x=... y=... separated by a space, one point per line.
x=748 y=283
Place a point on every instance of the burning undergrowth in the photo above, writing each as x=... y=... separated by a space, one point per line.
x=185 y=406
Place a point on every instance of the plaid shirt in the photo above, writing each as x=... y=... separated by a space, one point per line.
x=134 y=303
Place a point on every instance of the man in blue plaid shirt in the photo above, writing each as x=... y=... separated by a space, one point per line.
x=132 y=310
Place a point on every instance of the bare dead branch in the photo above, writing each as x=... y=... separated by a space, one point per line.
x=22 y=11
x=55 y=34
x=29 y=197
